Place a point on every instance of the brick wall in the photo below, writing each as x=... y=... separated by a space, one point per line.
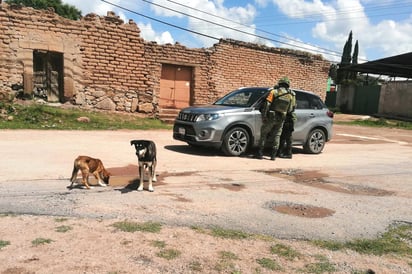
x=244 y=64
x=107 y=65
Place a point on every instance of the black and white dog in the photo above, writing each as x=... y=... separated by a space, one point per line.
x=146 y=154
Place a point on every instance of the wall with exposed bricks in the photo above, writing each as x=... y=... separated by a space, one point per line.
x=107 y=65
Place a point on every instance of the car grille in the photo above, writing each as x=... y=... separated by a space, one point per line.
x=188 y=117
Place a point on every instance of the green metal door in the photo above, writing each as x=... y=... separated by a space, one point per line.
x=366 y=100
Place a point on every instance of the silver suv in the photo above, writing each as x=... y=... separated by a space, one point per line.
x=233 y=122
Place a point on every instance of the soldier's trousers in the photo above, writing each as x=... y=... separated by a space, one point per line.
x=286 y=136
x=273 y=128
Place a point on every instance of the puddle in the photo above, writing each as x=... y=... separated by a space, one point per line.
x=178 y=197
x=300 y=210
x=231 y=187
x=320 y=180
x=129 y=176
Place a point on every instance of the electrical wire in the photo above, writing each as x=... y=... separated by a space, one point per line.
x=332 y=53
x=160 y=21
x=305 y=46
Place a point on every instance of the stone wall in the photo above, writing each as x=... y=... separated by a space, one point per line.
x=396 y=99
x=107 y=65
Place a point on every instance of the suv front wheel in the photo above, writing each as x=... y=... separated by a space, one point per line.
x=315 y=142
x=235 y=142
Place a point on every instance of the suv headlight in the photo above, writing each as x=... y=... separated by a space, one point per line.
x=207 y=117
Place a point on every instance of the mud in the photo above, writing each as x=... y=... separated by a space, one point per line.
x=321 y=180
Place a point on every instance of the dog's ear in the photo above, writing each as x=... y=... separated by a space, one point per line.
x=133 y=142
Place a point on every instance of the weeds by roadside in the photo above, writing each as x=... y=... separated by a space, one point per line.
x=397 y=240
x=378 y=122
x=128 y=226
x=35 y=116
x=41 y=241
x=4 y=243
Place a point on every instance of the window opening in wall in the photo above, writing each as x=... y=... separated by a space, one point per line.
x=48 y=75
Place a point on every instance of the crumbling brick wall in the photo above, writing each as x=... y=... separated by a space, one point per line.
x=107 y=65
x=240 y=64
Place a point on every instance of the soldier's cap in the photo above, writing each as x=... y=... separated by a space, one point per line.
x=284 y=80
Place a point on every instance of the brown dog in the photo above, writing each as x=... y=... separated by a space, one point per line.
x=89 y=165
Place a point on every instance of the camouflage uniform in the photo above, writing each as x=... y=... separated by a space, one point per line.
x=285 y=145
x=278 y=103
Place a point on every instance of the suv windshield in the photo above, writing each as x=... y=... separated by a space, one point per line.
x=241 y=98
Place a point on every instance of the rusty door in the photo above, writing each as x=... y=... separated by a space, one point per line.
x=175 y=86
x=48 y=75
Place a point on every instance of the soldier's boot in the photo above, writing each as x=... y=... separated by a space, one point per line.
x=287 y=154
x=273 y=154
x=259 y=154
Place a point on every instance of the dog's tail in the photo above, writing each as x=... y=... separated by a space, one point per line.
x=75 y=171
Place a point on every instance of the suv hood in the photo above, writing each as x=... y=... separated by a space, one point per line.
x=211 y=109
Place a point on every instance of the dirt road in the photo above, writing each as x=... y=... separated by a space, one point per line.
x=356 y=188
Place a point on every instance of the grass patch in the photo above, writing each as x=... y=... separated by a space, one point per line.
x=169 y=254
x=397 y=240
x=225 y=263
x=229 y=233
x=227 y=255
x=284 y=251
x=159 y=244
x=127 y=226
x=3 y=243
x=196 y=266
x=41 y=241
x=379 y=122
x=36 y=116
x=269 y=264
x=60 y=220
x=322 y=266
x=7 y=215
x=63 y=228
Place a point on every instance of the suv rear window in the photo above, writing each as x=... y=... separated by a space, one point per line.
x=308 y=101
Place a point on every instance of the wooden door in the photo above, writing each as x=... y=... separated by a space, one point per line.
x=175 y=86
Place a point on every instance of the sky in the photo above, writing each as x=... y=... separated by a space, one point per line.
x=382 y=28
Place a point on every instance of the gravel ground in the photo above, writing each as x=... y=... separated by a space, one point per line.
x=356 y=188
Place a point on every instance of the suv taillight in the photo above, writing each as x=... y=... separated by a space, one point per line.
x=329 y=113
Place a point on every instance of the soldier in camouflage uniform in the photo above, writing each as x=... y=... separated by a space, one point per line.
x=285 y=144
x=277 y=104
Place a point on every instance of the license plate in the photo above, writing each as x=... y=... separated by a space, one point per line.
x=182 y=131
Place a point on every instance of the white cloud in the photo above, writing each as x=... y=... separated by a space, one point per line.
x=338 y=18
x=101 y=8
x=92 y=6
x=221 y=25
x=302 y=8
x=149 y=34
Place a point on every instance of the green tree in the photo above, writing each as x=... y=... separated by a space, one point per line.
x=345 y=60
x=333 y=72
x=353 y=75
x=64 y=10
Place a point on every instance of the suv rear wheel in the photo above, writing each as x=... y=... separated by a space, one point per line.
x=315 y=142
x=235 y=141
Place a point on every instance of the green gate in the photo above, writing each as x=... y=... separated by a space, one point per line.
x=366 y=100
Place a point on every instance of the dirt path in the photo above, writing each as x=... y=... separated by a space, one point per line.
x=356 y=188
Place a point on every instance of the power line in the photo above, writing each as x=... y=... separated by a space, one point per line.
x=335 y=53
x=385 y=6
x=160 y=21
x=241 y=24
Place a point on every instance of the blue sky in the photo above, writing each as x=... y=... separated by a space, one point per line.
x=383 y=28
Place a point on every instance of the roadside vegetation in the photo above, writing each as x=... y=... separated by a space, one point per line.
x=40 y=116
x=381 y=122
x=397 y=241
x=378 y=122
x=277 y=255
